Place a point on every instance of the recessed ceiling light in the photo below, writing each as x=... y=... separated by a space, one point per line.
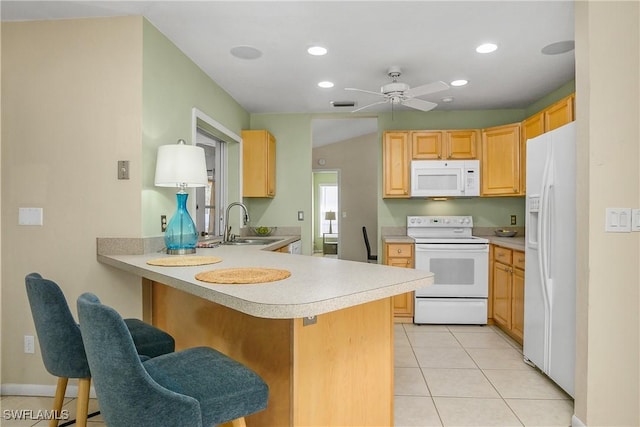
x=460 y=82
x=486 y=48
x=559 y=47
x=447 y=99
x=325 y=84
x=245 y=52
x=317 y=51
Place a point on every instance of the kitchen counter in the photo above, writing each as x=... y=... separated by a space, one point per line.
x=517 y=243
x=317 y=285
x=315 y=337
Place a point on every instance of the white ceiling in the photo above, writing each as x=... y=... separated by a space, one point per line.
x=429 y=40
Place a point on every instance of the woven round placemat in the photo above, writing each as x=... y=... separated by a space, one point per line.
x=184 y=261
x=245 y=275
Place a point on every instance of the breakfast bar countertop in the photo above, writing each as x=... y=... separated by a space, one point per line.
x=317 y=285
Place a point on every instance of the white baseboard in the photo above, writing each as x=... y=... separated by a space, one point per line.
x=40 y=390
x=576 y=422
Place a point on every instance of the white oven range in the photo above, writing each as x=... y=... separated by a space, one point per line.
x=445 y=246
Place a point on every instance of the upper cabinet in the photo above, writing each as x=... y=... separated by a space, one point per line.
x=259 y=164
x=396 y=164
x=552 y=117
x=501 y=150
x=500 y=166
x=444 y=145
x=559 y=114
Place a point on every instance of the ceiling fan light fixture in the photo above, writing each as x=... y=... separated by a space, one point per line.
x=487 y=48
x=325 y=84
x=447 y=99
x=317 y=50
x=460 y=82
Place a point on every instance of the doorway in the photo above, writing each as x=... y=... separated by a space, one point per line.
x=349 y=149
x=326 y=206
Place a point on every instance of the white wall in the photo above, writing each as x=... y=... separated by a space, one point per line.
x=71 y=108
x=608 y=113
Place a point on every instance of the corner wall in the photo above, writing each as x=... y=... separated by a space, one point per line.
x=71 y=108
x=608 y=271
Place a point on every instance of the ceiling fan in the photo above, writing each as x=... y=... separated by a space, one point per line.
x=400 y=93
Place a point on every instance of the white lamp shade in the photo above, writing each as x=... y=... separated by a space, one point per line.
x=181 y=164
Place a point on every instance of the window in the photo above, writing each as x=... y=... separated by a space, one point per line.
x=328 y=204
x=209 y=201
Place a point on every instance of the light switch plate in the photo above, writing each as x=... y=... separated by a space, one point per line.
x=618 y=220
x=635 y=219
x=29 y=216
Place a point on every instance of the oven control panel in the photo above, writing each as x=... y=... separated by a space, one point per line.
x=439 y=221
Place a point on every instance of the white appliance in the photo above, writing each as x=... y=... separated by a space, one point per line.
x=550 y=255
x=445 y=178
x=460 y=263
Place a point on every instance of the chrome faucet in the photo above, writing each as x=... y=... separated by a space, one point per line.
x=227 y=228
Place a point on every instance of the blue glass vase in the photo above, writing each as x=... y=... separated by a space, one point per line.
x=181 y=235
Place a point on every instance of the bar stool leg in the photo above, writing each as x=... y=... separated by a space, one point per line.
x=238 y=422
x=58 y=400
x=84 y=386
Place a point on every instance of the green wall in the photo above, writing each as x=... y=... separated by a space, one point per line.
x=172 y=85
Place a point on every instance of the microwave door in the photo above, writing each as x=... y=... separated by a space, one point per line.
x=437 y=182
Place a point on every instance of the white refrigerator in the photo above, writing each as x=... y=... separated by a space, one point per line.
x=550 y=255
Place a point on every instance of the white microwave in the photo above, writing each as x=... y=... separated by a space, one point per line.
x=445 y=178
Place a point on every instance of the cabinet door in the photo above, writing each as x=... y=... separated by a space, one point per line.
x=500 y=168
x=426 y=145
x=461 y=144
x=502 y=294
x=531 y=127
x=400 y=255
x=559 y=114
x=259 y=164
x=517 y=304
x=396 y=164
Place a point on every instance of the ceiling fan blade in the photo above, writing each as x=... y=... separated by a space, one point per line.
x=370 y=105
x=426 y=89
x=419 y=104
x=365 y=91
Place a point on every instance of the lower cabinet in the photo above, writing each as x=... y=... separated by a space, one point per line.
x=401 y=255
x=508 y=291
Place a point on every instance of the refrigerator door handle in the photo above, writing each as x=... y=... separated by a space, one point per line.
x=543 y=253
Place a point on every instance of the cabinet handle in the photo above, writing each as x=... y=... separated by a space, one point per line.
x=399 y=251
x=515 y=190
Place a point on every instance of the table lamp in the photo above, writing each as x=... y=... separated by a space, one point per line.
x=181 y=165
x=330 y=216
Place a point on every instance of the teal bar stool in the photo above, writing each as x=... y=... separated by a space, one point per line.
x=62 y=347
x=196 y=387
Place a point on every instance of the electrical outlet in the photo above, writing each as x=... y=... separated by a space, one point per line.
x=29 y=344
x=163 y=223
x=300 y=215
x=513 y=220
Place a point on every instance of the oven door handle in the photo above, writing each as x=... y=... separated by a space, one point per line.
x=444 y=248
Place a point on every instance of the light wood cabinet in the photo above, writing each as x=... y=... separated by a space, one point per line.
x=259 y=164
x=396 y=164
x=559 y=114
x=508 y=291
x=444 y=145
x=401 y=255
x=500 y=165
x=552 y=117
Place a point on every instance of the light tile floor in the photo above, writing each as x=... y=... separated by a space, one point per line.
x=444 y=376
x=470 y=376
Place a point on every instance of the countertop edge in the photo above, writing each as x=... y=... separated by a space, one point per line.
x=269 y=310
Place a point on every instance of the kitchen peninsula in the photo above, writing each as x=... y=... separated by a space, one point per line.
x=322 y=338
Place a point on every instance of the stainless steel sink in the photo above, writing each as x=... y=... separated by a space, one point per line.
x=246 y=241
